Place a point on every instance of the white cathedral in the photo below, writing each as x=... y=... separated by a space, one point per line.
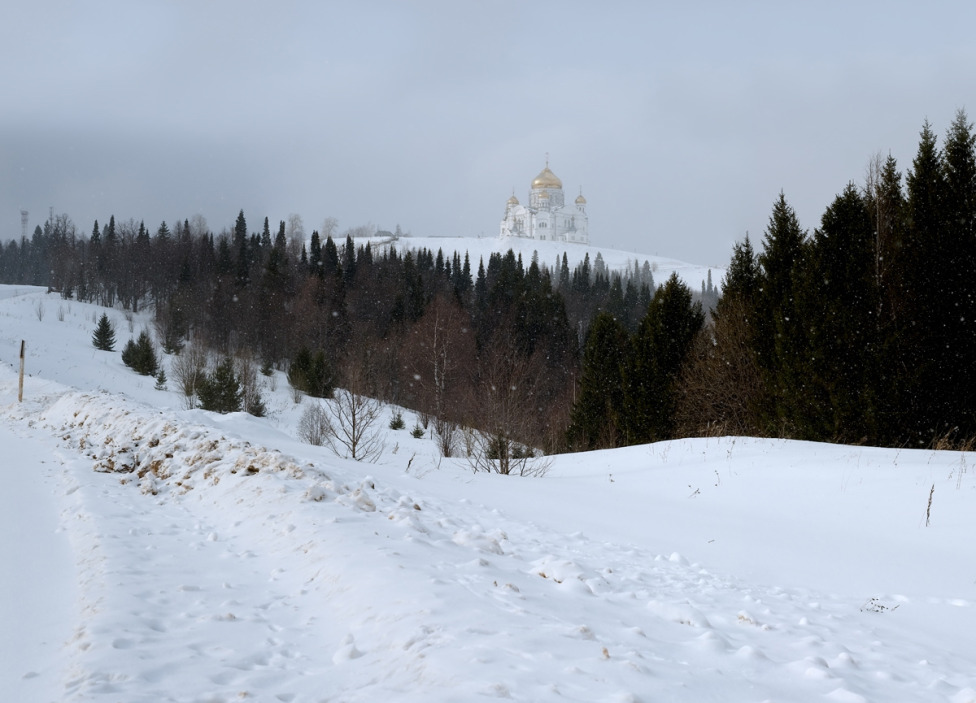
x=547 y=217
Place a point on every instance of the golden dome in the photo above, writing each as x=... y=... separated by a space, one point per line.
x=513 y=200
x=580 y=200
x=547 y=179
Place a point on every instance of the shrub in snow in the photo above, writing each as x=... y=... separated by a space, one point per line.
x=313 y=425
x=188 y=369
x=446 y=432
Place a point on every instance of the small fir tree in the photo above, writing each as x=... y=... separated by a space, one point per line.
x=312 y=374
x=140 y=355
x=397 y=422
x=104 y=335
x=221 y=390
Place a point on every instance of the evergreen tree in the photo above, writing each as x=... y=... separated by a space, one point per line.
x=779 y=335
x=312 y=374
x=581 y=276
x=659 y=348
x=241 y=247
x=564 y=279
x=957 y=317
x=266 y=238
x=894 y=265
x=348 y=261
x=161 y=380
x=140 y=355
x=833 y=385
x=104 y=335
x=921 y=345
x=330 y=258
x=221 y=391
x=315 y=255
x=597 y=415
x=240 y=230
x=741 y=280
x=280 y=242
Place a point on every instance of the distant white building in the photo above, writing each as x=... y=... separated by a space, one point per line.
x=547 y=217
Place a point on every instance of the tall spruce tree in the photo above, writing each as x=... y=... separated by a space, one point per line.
x=779 y=333
x=659 y=348
x=597 y=415
x=833 y=384
x=922 y=343
x=894 y=265
x=958 y=273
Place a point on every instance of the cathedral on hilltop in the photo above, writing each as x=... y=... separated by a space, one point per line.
x=547 y=217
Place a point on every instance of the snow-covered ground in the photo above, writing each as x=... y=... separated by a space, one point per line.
x=233 y=562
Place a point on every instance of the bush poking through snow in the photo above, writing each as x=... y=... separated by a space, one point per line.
x=348 y=425
x=313 y=425
x=500 y=454
x=446 y=433
x=188 y=369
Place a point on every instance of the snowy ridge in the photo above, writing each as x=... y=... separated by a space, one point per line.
x=218 y=559
x=550 y=254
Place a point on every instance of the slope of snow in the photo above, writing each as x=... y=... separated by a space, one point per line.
x=153 y=553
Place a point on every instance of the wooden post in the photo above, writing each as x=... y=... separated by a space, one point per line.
x=20 y=384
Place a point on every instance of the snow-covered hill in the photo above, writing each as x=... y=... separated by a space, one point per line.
x=550 y=255
x=152 y=553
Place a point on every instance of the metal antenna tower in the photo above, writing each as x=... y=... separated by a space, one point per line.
x=23 y=223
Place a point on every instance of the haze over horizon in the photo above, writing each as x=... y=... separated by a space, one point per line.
x=681 y=124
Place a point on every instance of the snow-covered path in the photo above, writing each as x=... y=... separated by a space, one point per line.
x=41 y=600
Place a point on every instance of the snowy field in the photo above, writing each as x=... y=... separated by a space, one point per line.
x=152 y=553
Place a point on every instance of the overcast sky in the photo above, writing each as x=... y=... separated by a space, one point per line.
x=681 y=122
